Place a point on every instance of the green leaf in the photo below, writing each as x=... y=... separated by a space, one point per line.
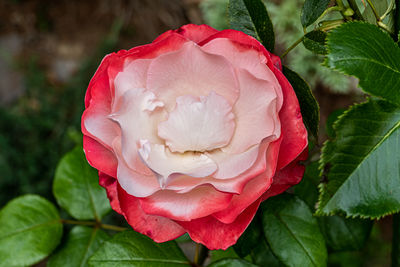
x=130 y=248
x=363 y=50
x=249 y=239
x=308 y=105
x=361 y=164
x=76 y=188
x=292 y=232
x=81 y=243
x=315 y=41
x=232 y=263
x=307 y=189
x=331 y=120
x=311 y=11
x=345 y=233
x=263 y=256
x=253 y=243
x=251 y=17
x=183 y=239
x=220 y=254
x=30 y=229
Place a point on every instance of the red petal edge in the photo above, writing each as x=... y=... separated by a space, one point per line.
x=217 y=235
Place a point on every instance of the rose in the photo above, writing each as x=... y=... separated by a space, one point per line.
x=191 y=132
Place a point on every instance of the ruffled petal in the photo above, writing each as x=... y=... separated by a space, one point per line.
x=243 y=55
x=199 y=202
x=110 y=184
x=293 y=130
x=99 y=157
x=166 y=165
x=195 y=33
x=191 y=71
x=217 y=235
x=97 y=125
x=158 y=228
x=235 y=185
x=132 y=76
x=287 y=177
x=136 y=184
x=256 y=114
x=210 y=115
x=241 y=38
x=138 y=118
x=232 y=165
x=254 y=189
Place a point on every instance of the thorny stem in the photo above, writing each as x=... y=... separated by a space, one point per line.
x=94 y=224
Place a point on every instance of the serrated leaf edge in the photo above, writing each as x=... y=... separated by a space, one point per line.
x=327 y=64
x=319 y=211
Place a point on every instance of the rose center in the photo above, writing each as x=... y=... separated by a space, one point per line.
x=198 y=124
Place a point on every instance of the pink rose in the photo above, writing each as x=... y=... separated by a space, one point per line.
x=191 y=132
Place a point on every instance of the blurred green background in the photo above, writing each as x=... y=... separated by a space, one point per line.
x=50 y=49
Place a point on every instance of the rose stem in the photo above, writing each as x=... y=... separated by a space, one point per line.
x=292 y=46
x=94 y=224
x=378 y=18
x=196 y=254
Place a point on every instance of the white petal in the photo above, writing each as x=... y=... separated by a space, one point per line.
x=138 y=117
x=256 y=114
x=191 y=71
x=198 y=124
x=165 y=163
x=232 y=165
x=136 y=184
x=243 y=57
x=133 y=76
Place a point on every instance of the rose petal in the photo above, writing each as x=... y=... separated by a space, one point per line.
x=110 y=184
x=132 y=76
x=293 y=130
x=242 y=55
x=232 y=165
x=136 y=184
x=199 y=202
x=170 y=75
x=217 y=235
x=100 y=157
x=288 y=176
x=184 y=184
x=138 y=118
x=195 y=33
x=96 y=125
x=210 y=115
x=158 y=228
x=254 y=189
x=166 y=164
x=256 y=113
